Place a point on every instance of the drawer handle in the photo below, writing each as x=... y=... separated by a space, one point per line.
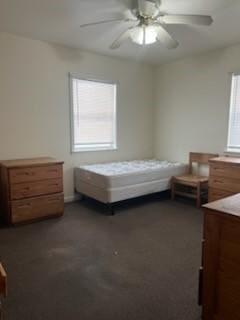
x=52 y=171
x=53 y=185
x=26 y=173
x=27 y=205
x=217 y=181
x=53 y=200
x=26 y=189
x=29 y=173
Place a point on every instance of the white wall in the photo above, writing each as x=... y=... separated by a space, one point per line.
x=193 y=104
x=34 y=103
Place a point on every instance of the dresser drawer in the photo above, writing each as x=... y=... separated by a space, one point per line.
x=38 y=188
x=217 y=194
x=227 y=184
x=34 y=208
x=35 y=173
x=225 y=170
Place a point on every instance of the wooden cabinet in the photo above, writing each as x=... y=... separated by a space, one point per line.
x=220 y=285
x=224 y=179
x=31 y=189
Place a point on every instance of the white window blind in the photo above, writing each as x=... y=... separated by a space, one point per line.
x=93 y=115
x=234 y=116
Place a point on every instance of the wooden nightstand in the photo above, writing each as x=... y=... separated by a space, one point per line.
x=31 y=189
x=224 y=179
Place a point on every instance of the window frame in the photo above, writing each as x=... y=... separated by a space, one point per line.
x=231 y=149
x=96 y=147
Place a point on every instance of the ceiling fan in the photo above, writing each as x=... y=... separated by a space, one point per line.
x=149 y=24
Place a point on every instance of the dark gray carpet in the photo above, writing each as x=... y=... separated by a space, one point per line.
x=140 y=264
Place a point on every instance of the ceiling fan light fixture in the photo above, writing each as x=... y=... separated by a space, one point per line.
x=144 y=35
x=149 y=20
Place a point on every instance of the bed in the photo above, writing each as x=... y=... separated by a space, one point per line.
x=117 y=181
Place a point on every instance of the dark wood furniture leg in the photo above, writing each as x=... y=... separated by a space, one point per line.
x=199 y=195
x=3 y=286
x=110 y=209
x=172 y=189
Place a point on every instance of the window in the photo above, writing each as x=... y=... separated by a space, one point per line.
x=93 y=115
x=234 y=116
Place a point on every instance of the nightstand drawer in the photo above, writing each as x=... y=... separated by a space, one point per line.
x=35 y=173
x=217 y=194
x=38 y=188
x=34 y=208
x=225 y=170
x=227 y=184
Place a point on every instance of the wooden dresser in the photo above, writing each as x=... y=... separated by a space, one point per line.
x=221 y=260
x=31 y=189
x=224 y=179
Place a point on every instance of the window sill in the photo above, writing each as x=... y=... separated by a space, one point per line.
x=233 y=152
x=93 y=149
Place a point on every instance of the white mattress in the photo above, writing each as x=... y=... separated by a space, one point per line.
x=116 y=181
x=120 y=174
x=118 y=194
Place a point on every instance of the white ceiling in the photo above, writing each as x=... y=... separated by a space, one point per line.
x=58 y=21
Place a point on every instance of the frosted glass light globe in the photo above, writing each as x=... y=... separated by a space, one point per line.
x=144 y=35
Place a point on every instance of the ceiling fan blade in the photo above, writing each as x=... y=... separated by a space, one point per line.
x=123 y=37
x=165 y=38
x=105 y=21
x=187 y=19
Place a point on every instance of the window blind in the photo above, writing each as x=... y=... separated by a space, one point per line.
x=234 y=117
x=94 y=114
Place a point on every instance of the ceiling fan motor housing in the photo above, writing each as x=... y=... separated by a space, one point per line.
x=148 y=8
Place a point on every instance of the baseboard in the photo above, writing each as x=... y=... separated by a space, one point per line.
x=73 y=198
